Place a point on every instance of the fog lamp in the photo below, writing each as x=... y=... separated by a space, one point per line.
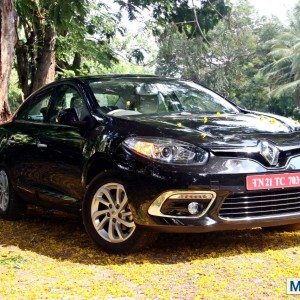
x=193 y=208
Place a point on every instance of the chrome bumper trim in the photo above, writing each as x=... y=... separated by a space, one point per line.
x=155 y=207
x=261 y=218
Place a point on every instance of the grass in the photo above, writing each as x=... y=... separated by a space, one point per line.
x=46 y=256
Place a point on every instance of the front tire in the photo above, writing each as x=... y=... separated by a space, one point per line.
x=11 y=206
x=108 y=218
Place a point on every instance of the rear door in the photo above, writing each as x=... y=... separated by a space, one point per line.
x=23 y=155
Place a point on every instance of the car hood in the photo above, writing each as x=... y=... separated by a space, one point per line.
x=218 y=130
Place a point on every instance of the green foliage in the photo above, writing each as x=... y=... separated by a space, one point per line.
x=252 y=60
x=284 y=70
x=89 y=40
x=40 y=22
x=59 y=13
x=13 y=260
x=284 y=105
x=125 y=68
x=230 y=59
x=189 y=19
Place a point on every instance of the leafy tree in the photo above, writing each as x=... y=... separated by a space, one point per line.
x=284 y=71
x=40 y=23
x=61 y=38
x=229 y=59
x=189 y=19
x=211 y=42
x=254 y=92
x=90 y=42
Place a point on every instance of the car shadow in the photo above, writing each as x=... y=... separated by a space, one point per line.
x=62 y=236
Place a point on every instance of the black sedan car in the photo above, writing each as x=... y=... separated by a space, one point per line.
x=137 y=155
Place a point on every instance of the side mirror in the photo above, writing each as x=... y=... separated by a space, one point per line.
x=69 y=116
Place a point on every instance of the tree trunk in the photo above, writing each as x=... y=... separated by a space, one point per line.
x=26 y=61
x=46 y=62
x=77 y=63
x=7 y=45
x=22 y=67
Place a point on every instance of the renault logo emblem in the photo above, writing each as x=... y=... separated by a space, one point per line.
x=270 y=152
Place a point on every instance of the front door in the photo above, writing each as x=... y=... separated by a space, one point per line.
x=61 y=150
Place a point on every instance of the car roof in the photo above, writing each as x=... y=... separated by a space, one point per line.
x=92 y=78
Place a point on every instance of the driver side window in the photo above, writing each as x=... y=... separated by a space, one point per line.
x=68 y=97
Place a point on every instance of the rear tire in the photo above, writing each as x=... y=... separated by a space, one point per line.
x=108 y=218
x=11 y=206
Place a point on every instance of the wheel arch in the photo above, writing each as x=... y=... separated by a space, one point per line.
x=97 y=164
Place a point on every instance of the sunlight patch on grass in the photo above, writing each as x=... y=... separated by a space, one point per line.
x=51 y=257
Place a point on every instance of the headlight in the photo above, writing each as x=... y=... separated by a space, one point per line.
x=167 y=150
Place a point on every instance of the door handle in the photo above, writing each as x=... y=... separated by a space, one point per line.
x=11 y=141
x=41 y=145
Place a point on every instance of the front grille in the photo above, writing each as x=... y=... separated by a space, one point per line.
x=261 y=205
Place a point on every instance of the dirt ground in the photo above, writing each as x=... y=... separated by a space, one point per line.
x=46 y=256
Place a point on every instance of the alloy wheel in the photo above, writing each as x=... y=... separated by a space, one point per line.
x=111 y=215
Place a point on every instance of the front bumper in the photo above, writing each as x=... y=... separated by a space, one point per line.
x=210 y=225
x=210 y=219
x=223 y=177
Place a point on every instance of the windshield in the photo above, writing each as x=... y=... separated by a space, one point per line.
x=129 y=97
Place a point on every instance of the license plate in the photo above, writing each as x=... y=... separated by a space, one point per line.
x=272 y=181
